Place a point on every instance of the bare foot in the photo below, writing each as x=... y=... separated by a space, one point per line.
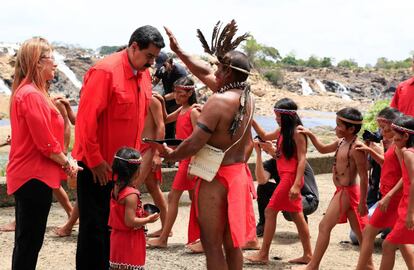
x=157 y=234
x=301 y=260
x=195 y=247
x=62 y=232
x=252 y=245
x=257 y=258
x=156 y=243
x=9 y=227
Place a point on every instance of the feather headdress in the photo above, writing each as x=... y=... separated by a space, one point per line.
x=222 y=39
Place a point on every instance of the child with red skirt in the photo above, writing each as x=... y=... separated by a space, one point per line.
x=386 y=212
x=184 y=93
x=290 y=155
x=127 y=217
x=402 y=234
x=349 y=200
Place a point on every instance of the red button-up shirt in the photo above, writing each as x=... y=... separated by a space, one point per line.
x=37 y=132
x=112 y=110
x=403 y=99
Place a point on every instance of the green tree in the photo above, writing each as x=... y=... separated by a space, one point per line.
x=313 y=62
x=105 y=50
x=260 y=55
x=326 y=62
x=370 y=122
x=348 y=63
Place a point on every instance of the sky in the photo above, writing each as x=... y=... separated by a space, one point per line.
x=363 y=30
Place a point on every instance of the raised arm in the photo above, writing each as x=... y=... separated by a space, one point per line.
x=376 y=153
x=199 y=68
x=321 y=147
x=266 y=136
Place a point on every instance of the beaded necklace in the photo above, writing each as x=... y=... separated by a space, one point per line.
x=238 y=118
x=233 y=85
x=348 y=164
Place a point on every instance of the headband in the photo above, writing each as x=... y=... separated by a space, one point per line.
x=385 y=120
x=403 y=129
x=238 y=69
x=355 y=122
x=184 y=87
x=130 y=160
x=285 y=111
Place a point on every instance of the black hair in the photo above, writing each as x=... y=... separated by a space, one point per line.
x=406 y=122
x=351 y=114
x=146 y=35
x=288 y=124
x=239 y=60
x=123 y=169
x=188 y=81
x=390 y=114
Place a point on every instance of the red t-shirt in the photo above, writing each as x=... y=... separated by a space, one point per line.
x=36 y=130
x=112 y=110
x=403 y=97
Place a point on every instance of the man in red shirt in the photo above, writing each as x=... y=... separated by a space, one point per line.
x=404 y=96
x=113 y=105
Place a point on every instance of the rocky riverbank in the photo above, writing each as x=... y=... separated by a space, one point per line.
x=323 y=89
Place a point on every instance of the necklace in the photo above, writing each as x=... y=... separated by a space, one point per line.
x=233 y=85
x=348 y=155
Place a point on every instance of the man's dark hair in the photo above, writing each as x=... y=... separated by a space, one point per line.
x=406 y=122
x=390 y=114
x=239 y=60
x=288 y=124
x=351 y=114
x=187 y=81
x=145 y=35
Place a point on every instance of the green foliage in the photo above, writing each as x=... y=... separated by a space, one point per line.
x=105 y=50
x=326 y=62
x=260 y=55
x=384 y=63
x=275 y=76
x=347 y=63
x=370 y=122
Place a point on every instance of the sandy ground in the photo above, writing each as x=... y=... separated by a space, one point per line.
x=59 y=253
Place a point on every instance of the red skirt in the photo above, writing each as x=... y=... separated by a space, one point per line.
x=127 y=249
x=181 y=179
x=238 y=181
x=280 y=200
x=387 y=219
x=353 y=196
x=400 y=234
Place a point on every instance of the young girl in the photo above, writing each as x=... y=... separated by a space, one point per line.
x=127 y=217
x=385 y=214
x=402 y=234
x=290 y=155
x=186 y=120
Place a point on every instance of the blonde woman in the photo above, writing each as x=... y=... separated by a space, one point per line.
x=36 y=160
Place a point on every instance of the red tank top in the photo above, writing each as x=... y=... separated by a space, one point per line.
x=390 y=172
x=406 y=178
x=284 y=164
x=117 y=210
x=183 y=127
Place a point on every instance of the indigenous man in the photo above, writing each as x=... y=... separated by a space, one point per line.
x=225 y=209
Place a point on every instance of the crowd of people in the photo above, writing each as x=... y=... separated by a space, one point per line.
x=119 y=123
